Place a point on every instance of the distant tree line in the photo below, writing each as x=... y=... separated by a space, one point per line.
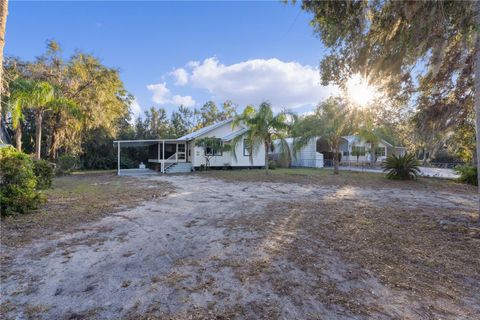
x=76 y=107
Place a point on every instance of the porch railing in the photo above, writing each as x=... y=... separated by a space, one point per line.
x=173 y=158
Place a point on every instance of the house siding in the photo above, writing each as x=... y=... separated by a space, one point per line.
x=226 y=159
x=307 y=156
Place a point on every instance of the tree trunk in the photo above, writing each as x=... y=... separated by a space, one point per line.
x=53 y=147
x=373 y=157
x=3 y=24
x=477 y=88
x=18 y=137
x=38 y=133
x=335 y=158
x=266 y=157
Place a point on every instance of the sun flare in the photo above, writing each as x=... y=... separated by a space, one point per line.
x=359 y=91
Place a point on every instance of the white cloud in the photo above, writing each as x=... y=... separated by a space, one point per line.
x=186 y=101
x=180 y=75
x=284 y=84
x=135 y=109
x=160 y=92
x=162 y=95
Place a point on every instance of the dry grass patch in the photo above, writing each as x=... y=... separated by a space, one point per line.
x=409 y=251
x=344 y=178
x=76 y=199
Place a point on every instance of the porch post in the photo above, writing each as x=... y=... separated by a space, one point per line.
x=158 y=151
x=163 y=156
x=176 y=152
x=118 y=158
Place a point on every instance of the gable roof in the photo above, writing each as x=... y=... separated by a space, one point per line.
x=234 y=134
x=357 y=138
x=202 y=131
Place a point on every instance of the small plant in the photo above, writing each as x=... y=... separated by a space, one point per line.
x=44 y=172
x=468 y=174
x=66 y=163
x=272 y=164
x=212 y=147
x=18 y=183
x=401 y=167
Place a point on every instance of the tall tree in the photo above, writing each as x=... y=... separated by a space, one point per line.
x=332 y=120
x=157 y=123
x=263 y=127
x=40 y=96
x=3 y=25
x=181 y=122
x=208 y=114
x=16 y=107
x=369 y=130
x=389 y=42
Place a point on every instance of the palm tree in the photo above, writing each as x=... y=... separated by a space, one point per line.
x=370 y=132
x=18 y=89
x=263 y=127
x=331 y=120
x=39 y=96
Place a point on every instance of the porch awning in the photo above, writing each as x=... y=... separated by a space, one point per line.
x=144 y=143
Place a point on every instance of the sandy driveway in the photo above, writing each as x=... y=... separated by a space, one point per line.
x=199 y=253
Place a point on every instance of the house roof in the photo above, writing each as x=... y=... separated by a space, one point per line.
x=234 y=134
x=204 y=130
x=354 y=138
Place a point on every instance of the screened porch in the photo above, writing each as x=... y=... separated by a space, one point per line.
x=162 y=154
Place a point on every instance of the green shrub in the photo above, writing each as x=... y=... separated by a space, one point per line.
x=44 y=172
x=401 y=167
x=18 y=183
x=468 y=174
x=66 y=163
x=272 y=164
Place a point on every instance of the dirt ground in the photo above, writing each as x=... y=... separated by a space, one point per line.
x=223 y=245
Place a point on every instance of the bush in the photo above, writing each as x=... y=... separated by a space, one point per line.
x=44 y=172
x=17 y=182
x=272 y=164
x=468 y=174
x=401 y=167
x=66 y=163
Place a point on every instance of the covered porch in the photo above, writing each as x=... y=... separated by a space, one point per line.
x=162 y=153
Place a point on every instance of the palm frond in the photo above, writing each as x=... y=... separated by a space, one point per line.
x=401 y=167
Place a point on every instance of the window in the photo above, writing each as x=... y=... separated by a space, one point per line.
x=246 y=147
x=209 y=151
x=380 y=152
x=346 y=153
x=181 y=148
x=358 y=151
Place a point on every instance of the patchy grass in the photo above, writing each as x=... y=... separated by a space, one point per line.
x=409 y=251
x=248 y=249
x=344 y=178
x=78 y=198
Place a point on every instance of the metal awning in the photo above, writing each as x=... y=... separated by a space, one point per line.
x=144 y=143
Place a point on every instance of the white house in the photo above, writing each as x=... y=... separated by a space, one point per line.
x=356 y=149
x=317 y=153
x=308 y=156
x=182 y=155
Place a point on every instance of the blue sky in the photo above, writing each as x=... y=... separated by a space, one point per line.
x=184 y=52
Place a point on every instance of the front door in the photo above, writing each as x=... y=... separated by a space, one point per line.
x=181 y=154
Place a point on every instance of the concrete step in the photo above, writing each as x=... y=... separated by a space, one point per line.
x=180 y=167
